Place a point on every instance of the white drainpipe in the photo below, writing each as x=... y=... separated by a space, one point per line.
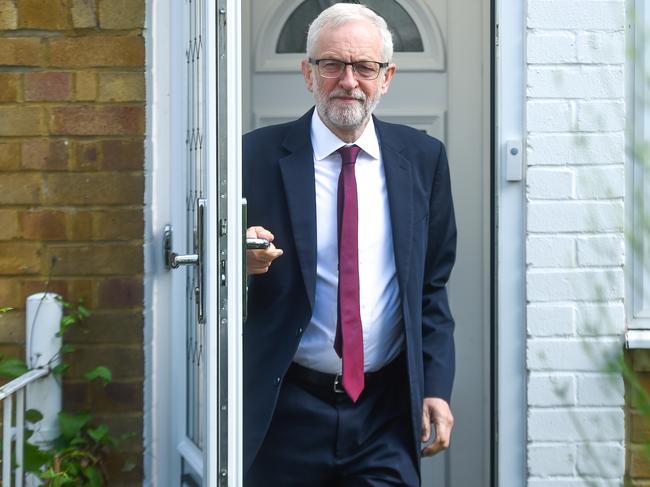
x=43 y=322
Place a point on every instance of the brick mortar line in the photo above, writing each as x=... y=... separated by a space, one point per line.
x=75 y=138
x=71 y=33
x=21 y=69
x=132 y=172
x=72 y=103
x=78 y=208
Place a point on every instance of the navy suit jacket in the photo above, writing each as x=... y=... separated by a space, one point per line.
x=279 y=184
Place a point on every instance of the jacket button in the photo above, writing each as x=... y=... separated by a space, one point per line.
x=277 y=381
x=299 y=332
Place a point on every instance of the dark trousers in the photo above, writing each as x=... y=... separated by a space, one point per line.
x=319 y=438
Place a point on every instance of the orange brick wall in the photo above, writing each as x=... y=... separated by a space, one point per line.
x=72 y=110
x=637 y=423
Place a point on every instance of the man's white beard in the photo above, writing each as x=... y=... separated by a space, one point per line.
x=346 y=116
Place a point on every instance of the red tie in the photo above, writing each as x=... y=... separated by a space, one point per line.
x=349 y=333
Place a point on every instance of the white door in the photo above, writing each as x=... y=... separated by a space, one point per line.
x=196 y=289
x=442 y=87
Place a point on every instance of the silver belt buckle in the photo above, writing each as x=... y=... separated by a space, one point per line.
x=338 y=385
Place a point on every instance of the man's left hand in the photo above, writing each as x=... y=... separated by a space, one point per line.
x=436 y=411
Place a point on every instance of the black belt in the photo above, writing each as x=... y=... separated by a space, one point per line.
x=332 y=382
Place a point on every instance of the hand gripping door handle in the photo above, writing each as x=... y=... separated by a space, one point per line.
x=174 y=260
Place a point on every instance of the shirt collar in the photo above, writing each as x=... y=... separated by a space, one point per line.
x=325 y=142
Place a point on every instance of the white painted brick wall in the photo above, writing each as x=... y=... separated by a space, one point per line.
x=544 y=320
x=598 y=182
x=552 y=459
x=575 y=185
x=551 y=390
x=606 y=460
x=576 y=148
x=601 y=115
x=600 y=390
x=576 y=82
x=576 y=424
x=551 y=251
x=576 y=15
x=572 y=354
x=550 y=183
x=575 y=216
x=600 y=319
x=601 y=250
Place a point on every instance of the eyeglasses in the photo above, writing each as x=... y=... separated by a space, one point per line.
x=332 y=68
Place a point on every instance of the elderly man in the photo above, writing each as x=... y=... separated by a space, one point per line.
x=348 y=346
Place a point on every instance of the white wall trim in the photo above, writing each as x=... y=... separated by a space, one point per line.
x=511 y=238
x=159 y=464
x=637 y=172
x=235 y=245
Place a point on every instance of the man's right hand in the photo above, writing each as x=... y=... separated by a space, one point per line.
x=259 y=261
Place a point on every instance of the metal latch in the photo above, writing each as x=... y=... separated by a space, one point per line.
x=174 y=261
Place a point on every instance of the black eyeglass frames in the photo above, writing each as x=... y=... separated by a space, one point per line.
x=333 y=68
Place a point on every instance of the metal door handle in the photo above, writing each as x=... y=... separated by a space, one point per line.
x=244 y=221
x=174 y=261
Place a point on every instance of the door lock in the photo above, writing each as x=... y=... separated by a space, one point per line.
x=174 y=261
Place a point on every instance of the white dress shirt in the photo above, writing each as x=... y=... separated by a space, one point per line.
x=381 y=312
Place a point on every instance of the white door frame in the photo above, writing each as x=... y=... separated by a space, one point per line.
x=164 y=120
x=510 y=264
x=510 y=85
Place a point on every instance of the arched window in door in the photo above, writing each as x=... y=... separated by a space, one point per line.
x=280 y=43
x=293 y=36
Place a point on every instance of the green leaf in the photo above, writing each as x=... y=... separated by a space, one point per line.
x=49 y=474
x=99 y=433
x=12 y=367
x=67 y=321
x=128 y=466
x=83 y=312
x=61 y=368
x=71 y=424
x=5 y=310
x=93 y=475
x=35 y=459
x=99 y=372
x=33 y=415
x=67 y=348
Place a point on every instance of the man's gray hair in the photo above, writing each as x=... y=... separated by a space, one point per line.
x=342 y=13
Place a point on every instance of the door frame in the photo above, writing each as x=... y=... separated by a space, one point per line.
x=509 y=329
x=506 y=214
x=223 y=402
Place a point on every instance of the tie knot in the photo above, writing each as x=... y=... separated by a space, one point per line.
x=349 y=153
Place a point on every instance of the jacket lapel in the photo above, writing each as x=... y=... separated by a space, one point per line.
x=399 y=184
x=297 y=170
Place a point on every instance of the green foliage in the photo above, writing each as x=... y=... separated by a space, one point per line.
x=99 y=372
x=12 y=367
x=77 y=457
x=74 y=313
x=33 y=416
